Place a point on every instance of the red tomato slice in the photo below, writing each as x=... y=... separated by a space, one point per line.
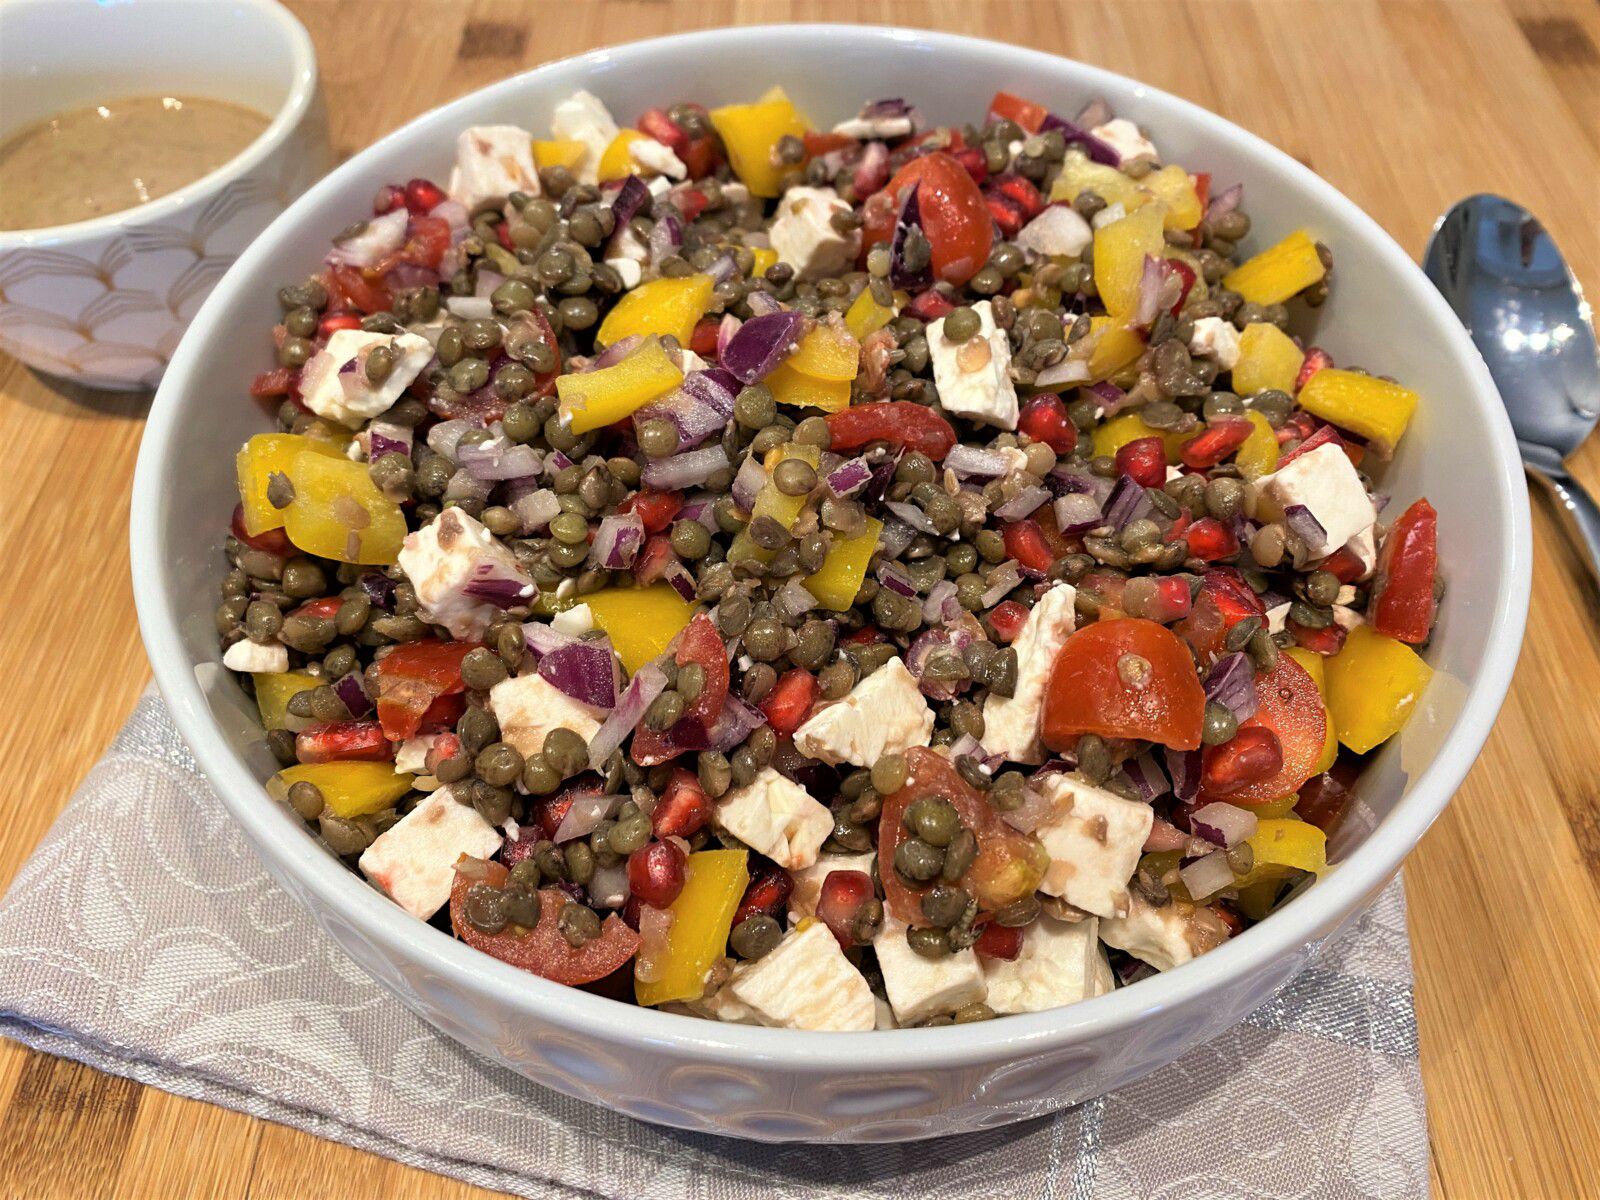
x=343 y=741
x=411 y=677
x=1402 y=590
x=790 y=700
x=899 y=422
x=542 y=949
x=655 y=509
x=954 y=216
x=1291 y=707
x=1025 y=113
x=1098 y=686
x=349 y=287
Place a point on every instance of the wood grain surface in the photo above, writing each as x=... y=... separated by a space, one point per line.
x=1404 y=105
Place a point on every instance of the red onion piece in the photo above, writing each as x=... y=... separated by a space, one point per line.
x=615 y=353
x=376 y=240
x=544 y=639
x=1164 y=835
x=1184 y=768
x=849 y=478
x=608 y=886
x=1077 y=513
x=471 y=308
x=1231 y=682
x=893 y=576
x=1076 y=134
x=498 y=459
x=894 y=539
x=1224 y=202
x=496 y=583
x=585 y=670
x=910 y=218
x=941 y=604
x=1128 y=502
x=1003 y=580
x=1207 y=876
x=972 y=462
x=655 y=930
x=793 y=600
x=686 y=470
x=379 y=589
x=353 y=693
x=872 y=170
x=1223 y=824
x=911 y=515
x=536 y=509
x=584 y=817
x=446 y=435
x=1147 y=778
x=761 y=343
x=631 y=198
x=1304 y=524
x=1036 y=809
x=1022 y=504
x=666 y=235
x=678 y=576
x=642 y=689
x=1067 y=371
x=385 y=437
x=617 y=541
x=748 y=482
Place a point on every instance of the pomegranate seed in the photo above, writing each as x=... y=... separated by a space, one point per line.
x=839 y=903
x=1315 y=360
x=333 y=322
x=1344 y=564
x=1326 y=642
x=388 y=199
x=1209 y=539
x=683 y=808
x=769 y=891
x=999 y=942
x=1044 y=419
x=423 y=196
x=1143 y=460
x=1172 y=600
x=656 y=873
x=1252 y=755
x=1007 y=619
x=973 y=160
x=929 y=306
x=1220 y=439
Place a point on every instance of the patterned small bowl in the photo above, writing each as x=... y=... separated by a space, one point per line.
x=103 y=302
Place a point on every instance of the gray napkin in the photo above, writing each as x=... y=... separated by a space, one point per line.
x=144 y=939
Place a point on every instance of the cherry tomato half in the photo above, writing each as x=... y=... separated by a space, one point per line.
x=411 y=677
x=1129 y=678
x=1290 y=706
x=955 y=218
x=899 y=422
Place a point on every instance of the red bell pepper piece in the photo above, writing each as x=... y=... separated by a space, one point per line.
x=1402 y=594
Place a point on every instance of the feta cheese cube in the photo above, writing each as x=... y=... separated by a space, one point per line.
x=1327 y=484
x=1056 y=966
x=1347 y=594
x=1365 y=547
x=266 y=658
x=1011 y=723
x=653 y=156
x=334 y=382
x=1123 y=136
x=1058 y=230
x=583 y=117
x=919 y=987
x=528 y=707
x=627 y=269
x=492 y=161
x=883 y=714
x=1216 y=339
x=867 y=129
x=974 y=377
x=575 y=621
x=808 y=881
x=411 y=755
x=802 y=233
x=1094 y=839
x=806 y=982
x=775 y=816
x=443 y=558
x=1347 y=618
x=1164 y=937
x=413 y=862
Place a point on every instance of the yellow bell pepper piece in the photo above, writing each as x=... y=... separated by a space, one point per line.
x=557 y=154
x=1281 y=807
x=1081 y=174
x=789 y=386
x=1376 y=409
x=351 y=789
x=836 y=582
x=1120 y=249
x=1128 y=427
x=714 y=883
x=827 y=352
x=770 y=502
x=750 y=134
x=1174 y=187
x=866 y=316
x=765 y=260
x=1115 y=347
x=639 y=621
x=339 y=513
x=275 y=689
x=598 y=398
x=1259 y=454
x=1373 y=686
x=1268 y=358
x=1316 y=667
x=616 y=162
x=1278 y=272
x=261 y=457
x=1285 y=844
x=660 y=307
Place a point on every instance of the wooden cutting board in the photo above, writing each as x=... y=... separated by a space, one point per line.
x=1404 y=106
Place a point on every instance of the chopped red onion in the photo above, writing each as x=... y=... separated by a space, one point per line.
x=471 y=308
x=1302 y=522
x=793 y=600
x=1231 y=682
x=1111 y=397
x=956 y=636
x=554 y=463
x=588 y=810
x=1022 y=504
x=443 y=437
x=536 y=509
x=616 y=352
x=762 y=303
x=1184 y=768
x=375 y=241
x=1147 y=778
x=379 y=589
x=893 y=576
x=1076 y=134
x=1067 y=371
x=1207 y=876
x=723 y=268
x=498 y=459
x=910 y=217
x=352 y=691
x=464 y=485
x=608 y=886
x=872 y=170
x=849 y=478
x=385 y=437
x=585 y=670
x=686 y=470
x=655 y=933
x=641 y=691
x=911 y=515
x=1222 y=824
x=1037 y=807
x=543 y=639
x=1164 y=835
x=761 y=343
x=1224 y=202
x=941 y=604
x=748 y=482
x=496 y=583
x=617 y=541
x=666 y=235
x=701 y=508
x=737 y=722
x=1096 y=112
x=1129 y=501
x=678 y=576
x=1077 y=513
x=631 y=198
x=972 y=462
x=1003 y=580
x=726 y=328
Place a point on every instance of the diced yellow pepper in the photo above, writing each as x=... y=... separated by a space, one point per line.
x=1281 y=807
x=1129 y=426
x=1278 y=272
x=326 y=433
x=639 y=621
x=827 y=352
x=1259 y=454
x=351 y=789
x=770 y=502
x=1174 y=187
x=557 y=154
x=866 y=316
x=1284 y=844
x=1120 y=249
x=274 y=691
x=702 y=915
x=750 y=134
x=789 y=386
x=1268 y=358
x=1376 y=409
x=1080 y=174
x=339 y=513
x=765 y=260
x=1316 y=667
x=1115 y=347
x=836 y=582
x=616 y=162
x=1374 y=683
x=598 y=398
x=660 y=307
x=258 y=460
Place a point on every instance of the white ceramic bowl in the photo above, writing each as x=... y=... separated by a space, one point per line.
x=771 y=1084
x=103 y=302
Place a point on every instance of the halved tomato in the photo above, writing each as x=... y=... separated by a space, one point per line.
x=955 y=218
x=1291 y=707
x=412 y=677
x=1127 y=678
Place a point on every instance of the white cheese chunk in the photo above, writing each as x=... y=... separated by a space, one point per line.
x=1216 y=339
x=528 y=707
x=808 y=881
x=868 y=129
x=269 y=658
x=575 y=621
x=411 y=755
x=1094 y=839
x=1365 y=547
x=492 y=161
x=583 y=117
x=1058 y=964
x=657 y=158
x=1011 y=723
x=334 y=381
x=628 y=269
x=1057 y=231
x=413 y=862
x=1327 y=484
x=1123 y=136
x=802 y=233
x=443 y=558
x=919 y=987
x=1164 y=937
x=974 y=377
x=883 y=714
x=1347 y=618
x=775 y=816
x=806 y=982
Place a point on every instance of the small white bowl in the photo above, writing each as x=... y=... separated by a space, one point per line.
x=103 y=302
x=773 y=1084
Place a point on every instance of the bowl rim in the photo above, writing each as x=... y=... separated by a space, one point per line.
x=402 y=938
x=287 y=117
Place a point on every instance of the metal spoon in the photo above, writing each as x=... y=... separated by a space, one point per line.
x=1508 y=283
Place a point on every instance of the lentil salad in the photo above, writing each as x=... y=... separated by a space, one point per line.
x=830 y=579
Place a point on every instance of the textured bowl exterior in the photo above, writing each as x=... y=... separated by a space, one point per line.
x=779 y=1085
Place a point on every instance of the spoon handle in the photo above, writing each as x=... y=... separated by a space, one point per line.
x=1578 y=508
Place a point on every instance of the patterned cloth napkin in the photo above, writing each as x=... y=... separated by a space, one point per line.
x=144 y=939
